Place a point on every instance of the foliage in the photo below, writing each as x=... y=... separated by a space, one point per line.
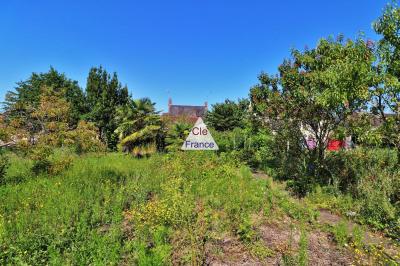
x=365 y=182
x=104 y=95
x=259 y=250
x=139 y=127
x=159 y=253
x=387 y=92
x=51 y=115
x=349 y=168
x=313 y=96
x=341 y=234
x=85 y=138
x=27 y=94
x=245 y=145
x=176 y=135
x=228 y=115
x=303 y=247
x=113 y=208
x=6 y=131
x=49 y=161
x=58 y=208
x=358 y=236
x=51 y=104
x=364 y=134
x=47 y=121
x=40 y=155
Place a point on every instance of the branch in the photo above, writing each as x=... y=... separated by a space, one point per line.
x=8 y=144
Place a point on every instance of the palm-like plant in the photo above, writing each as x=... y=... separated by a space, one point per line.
x=176 y=136
x=138 y=126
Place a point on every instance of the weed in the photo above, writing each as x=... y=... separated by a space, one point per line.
x=340 y=233
x=260 y=251
x=303 y=247
x=358 y=236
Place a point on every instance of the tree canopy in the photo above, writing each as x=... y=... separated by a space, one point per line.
x=104 y=95
x=27 y=94
x=315 y=92
x=228 y=115
x=386 y=100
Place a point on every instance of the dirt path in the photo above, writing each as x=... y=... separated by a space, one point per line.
x=375 y=242
x=280 y=241
x=282 y=238
x=322 y=248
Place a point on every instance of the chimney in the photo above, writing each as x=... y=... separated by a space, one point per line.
x=206 y=105
x=169 y=105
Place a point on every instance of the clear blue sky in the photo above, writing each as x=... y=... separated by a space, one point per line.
x=191 y=50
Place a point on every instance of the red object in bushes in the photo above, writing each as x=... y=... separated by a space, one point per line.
x=334 y=145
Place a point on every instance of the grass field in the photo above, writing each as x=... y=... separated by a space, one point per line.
x=77 y=216
x=184 y=208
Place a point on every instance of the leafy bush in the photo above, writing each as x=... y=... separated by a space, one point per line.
x=366 y=182
x=349 y=167
x=244 y=145
x=49 y=161
x=228 y=115
x=176 y=135
x=40 y=156
x=85 y=138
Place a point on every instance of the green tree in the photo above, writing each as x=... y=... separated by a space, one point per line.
x=46 y=121
x=316 y=91
x=139 y=127
x=52 y=115
x=386 y=101
x=104 y=95
x=228 y=115
x=85 y=138
x=176 y=135
x=26 y=97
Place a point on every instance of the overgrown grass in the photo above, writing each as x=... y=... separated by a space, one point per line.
x=365 y=187
x=111 y=209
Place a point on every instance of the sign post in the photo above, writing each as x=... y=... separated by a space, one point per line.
x=199 y=138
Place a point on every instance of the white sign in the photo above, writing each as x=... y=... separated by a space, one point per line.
x=199 y=138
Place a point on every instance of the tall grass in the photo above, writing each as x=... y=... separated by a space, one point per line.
x=108 y=209
x=59 y=218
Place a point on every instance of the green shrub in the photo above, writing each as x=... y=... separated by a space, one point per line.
x=372 y=178
x=176 y=135
x=50 y=161
x=247 y=146
x=40 y=156
x=348 y=167
x=245 y=231
x=85 y=138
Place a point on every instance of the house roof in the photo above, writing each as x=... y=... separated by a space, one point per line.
x=187 y=110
